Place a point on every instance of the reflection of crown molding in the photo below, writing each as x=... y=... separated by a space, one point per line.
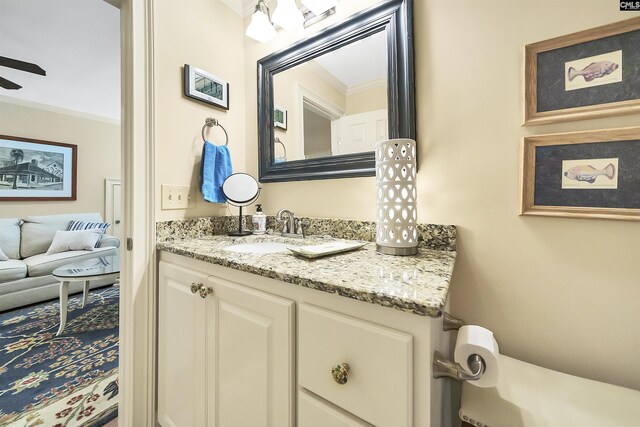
x=325 y=75
x=371 y=84
x=59 y=110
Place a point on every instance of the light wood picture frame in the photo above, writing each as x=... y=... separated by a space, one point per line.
x=589 y=174
x=583 y=75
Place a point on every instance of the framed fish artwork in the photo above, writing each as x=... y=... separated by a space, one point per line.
x=588 y=74
x=590 y=174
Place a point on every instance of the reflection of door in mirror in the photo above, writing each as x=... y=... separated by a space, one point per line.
x=337 y=102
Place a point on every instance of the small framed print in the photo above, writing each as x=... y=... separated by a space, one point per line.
x=588 y=74
x=592 y=174
x=280 y=117
x=205 y=87
x=35 y=170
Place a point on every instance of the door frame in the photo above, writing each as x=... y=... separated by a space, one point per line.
x=323 y=106
x=137 y=288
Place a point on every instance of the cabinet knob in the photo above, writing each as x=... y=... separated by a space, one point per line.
x=340 y=373
x=195 y=287
x=204 y=291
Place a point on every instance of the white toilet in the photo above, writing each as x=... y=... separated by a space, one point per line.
x=530 y=396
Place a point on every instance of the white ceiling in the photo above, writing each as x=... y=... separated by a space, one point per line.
x=358 y=63
x=77 y=42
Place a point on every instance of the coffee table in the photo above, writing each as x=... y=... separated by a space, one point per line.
x=106 y=267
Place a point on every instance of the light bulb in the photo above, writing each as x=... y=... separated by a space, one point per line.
x=287 y=15
x=260 y=28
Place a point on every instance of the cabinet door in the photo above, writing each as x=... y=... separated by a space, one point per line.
x=181 y=348
x=254 y=356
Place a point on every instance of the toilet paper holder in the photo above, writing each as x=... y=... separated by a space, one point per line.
x=445 y=368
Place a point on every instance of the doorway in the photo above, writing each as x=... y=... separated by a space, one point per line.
x=76 y=102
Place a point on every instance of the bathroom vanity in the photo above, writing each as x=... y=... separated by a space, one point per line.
x=248 y=339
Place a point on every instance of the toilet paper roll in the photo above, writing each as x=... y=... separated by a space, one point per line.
x=474 y=339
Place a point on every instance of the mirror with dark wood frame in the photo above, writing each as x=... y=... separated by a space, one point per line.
x=334 y=85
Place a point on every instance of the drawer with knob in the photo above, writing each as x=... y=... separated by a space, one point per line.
x=361 y=367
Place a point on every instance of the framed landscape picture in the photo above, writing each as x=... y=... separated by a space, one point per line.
x=591 y=174
x=593 y=73
x=37 y=170
x=205 y=87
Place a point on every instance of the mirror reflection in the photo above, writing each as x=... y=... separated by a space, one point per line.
x=333 y=104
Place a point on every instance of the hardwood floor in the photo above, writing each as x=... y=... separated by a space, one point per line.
x=112 y=423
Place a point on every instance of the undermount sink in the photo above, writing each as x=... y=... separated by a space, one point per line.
x=258 y=248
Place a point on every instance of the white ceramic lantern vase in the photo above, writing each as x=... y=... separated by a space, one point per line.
x=396 y=232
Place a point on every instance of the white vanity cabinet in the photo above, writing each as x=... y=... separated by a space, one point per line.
x=225 y=354
x=259 y=352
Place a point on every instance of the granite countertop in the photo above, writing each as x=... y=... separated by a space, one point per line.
x=414 y=284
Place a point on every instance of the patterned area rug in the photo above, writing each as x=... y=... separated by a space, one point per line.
x=65 y=381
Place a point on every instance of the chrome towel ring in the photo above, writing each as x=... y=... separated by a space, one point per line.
x=211 y=122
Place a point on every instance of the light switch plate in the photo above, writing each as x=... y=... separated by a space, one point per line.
x=177 y=197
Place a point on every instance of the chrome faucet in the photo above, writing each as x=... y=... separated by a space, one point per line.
x=291 y=226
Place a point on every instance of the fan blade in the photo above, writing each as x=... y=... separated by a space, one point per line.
x=22 y=66
x=8 y=84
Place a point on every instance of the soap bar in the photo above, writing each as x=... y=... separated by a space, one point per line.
x=317 y=251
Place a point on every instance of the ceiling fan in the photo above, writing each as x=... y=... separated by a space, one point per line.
x=18 y=65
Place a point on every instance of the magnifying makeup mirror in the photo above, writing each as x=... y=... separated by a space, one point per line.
x=240 y=189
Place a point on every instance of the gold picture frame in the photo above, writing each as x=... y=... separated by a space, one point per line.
x=600 y=85
x=589 y=174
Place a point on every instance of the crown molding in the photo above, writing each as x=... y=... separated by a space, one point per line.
x=371 y=84
x=325 y=75
x=58 y=110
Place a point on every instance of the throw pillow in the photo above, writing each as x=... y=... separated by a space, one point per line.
x=84 y=240
x=3 y=257
x=81 y=225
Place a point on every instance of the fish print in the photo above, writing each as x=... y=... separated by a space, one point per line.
x=589 y=174
x=593 y=71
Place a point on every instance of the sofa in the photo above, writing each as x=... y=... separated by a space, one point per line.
x=26 y=277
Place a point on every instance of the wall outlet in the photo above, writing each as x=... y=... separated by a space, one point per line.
x=177 y=197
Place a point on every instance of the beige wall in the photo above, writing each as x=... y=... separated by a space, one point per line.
x=371 y=99
x=98 y=144
x=562 y=293
x=207 y=35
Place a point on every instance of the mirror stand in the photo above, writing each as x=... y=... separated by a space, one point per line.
x=240 y=232
x=240 y=190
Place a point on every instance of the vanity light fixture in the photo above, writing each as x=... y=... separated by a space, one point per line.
x=287 y=15
x=318 y=7
x=260 y=28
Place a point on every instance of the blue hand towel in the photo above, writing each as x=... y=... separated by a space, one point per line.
x=215 y=167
